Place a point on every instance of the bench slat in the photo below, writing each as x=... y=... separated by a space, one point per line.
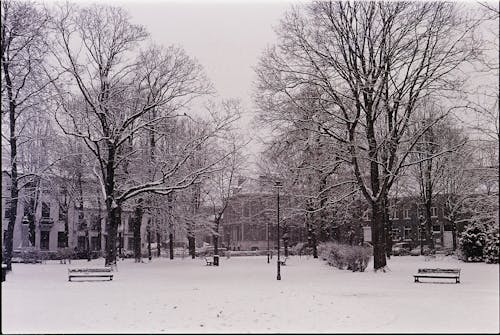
x=90 y=270
x=438 y=273
x=437 y=270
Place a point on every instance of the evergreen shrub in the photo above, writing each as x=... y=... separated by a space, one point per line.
x=472 y=242
x=491 y=250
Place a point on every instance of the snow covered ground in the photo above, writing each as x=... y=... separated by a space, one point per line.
x=243 y=295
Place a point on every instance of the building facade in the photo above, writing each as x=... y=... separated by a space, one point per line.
x=250 y=220
x=49 y=221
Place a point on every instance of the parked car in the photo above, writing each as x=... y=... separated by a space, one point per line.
x=416 y=251
x=401 y=249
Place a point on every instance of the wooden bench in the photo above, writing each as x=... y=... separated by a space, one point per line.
x=90 y=273
x=438 y=273
x=283 y=261
x=209 y=261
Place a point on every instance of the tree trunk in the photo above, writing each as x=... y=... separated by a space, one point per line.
x=216 y=242
x=149 y=245
x=9 y=236
x=14 y=190
x=378 y=237
x=31 y=222
x=114 y=219
x=387 y=226
x=87 y=235
x=171 y=244
x=158 y=244
x=428 y=223
x=137 y=231
x=191 y=245
x=170 y=226
x=120 y=246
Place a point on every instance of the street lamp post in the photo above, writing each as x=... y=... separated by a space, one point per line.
x=268 y=251
x=278 y=185
x=421 y=219
x=148 y=228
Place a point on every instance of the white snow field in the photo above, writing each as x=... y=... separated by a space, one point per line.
x=242 y=295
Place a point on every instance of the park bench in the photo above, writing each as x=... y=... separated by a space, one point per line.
x=90 y=273
x=283 y=261
x=209 y=261
x=438 y=273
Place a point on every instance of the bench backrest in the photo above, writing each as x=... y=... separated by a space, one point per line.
x=439 y=270
x=90 y=270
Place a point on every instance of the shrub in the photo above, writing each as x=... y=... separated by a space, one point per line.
x=472 y=242
x=491 y=250
x=345 y=257
x=301 y=248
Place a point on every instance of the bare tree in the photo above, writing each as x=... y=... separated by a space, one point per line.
x=24 y=47
x=370 y=63
x=119 y=91
x=219 y=185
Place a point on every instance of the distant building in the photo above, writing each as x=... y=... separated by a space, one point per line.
x=44 y=208
x=406 y=216
x=250 y=220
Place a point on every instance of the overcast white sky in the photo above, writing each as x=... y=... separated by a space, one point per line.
x=227 y=37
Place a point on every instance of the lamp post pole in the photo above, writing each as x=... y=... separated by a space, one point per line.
x=421 y=219
x=268 y=251
x=278 y=185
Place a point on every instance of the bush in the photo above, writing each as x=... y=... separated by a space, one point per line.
x=472 y=242
x=345 y=257
x=491 y=250
x=301 y=248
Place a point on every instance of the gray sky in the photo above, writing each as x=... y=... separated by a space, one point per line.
x=227 y=37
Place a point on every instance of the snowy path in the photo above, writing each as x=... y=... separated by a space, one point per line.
x=243 y=295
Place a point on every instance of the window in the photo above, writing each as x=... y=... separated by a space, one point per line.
x=29 y=206
x=63 y=213
x=246 y=209
x=407 y=233
x=95 y=222
x=434 y=212
x=395 y=234
x=45 y=210
x=95 y=243
x=7 y=210
x=406 y=213
x=82 y=243
x=61 y=239
x=366 y=215
x=44 y=240
x=130 y=243
x=393 y=213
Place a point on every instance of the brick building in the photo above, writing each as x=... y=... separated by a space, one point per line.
x=250 y=219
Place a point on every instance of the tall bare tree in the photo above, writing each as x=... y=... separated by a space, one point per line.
x=370 y=63
x=24 y=49
x=119 y=90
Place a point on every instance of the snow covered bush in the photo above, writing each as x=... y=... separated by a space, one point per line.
x=472 y=242
x=491 y=250
x=301 y=248
x=343 y=256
